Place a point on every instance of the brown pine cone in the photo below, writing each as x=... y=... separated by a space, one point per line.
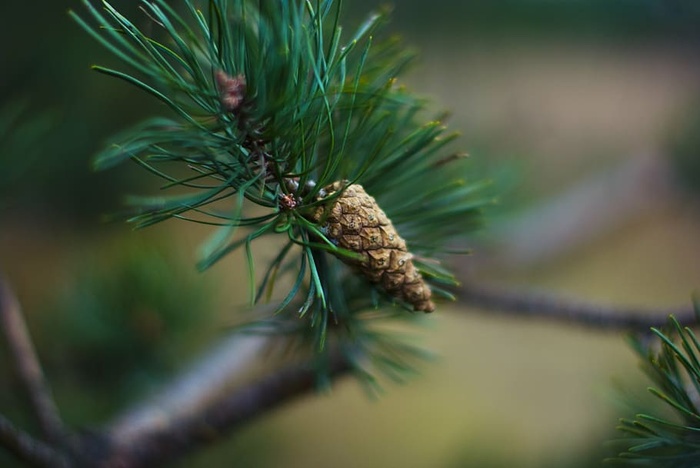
x=355 y=222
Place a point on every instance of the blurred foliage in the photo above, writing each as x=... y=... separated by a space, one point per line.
x=120 y=327
x=605 y=19
x=19 y=130
x=116 y=327
x=49 y=68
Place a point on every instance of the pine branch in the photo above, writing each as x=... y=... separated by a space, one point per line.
x=273 y=105
x=195 y=411
x=26 y=364
x=205 y=383
x=178 y=434
x=544 y=306
x=28 y=449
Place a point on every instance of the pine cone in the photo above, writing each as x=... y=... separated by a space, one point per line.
x=355 y=222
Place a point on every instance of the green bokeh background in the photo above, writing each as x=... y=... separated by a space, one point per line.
x=546 y=94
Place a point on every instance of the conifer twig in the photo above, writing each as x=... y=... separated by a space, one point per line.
x=153 y=445
x=207 y=381
x=26 y=364
x=537 y=305
x=28 y=449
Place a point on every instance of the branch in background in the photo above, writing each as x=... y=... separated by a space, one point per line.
x=584 y=212
x=209 y=380
x=200 y=407
x=28 y=449
x=181 y=433
x=196 y=412
x=528 y=304
x=27 y=365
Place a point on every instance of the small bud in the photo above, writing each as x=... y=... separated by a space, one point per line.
x=231 y=90
x=288 y=202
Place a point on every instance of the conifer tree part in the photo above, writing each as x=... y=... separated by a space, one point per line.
x=355 y=222
x=231 y=90
x=278 y=116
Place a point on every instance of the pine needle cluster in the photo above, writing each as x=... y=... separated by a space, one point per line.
x=671 y=436
x=270 y=102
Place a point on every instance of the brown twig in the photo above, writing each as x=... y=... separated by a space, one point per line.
x=176 y=436
x=26 y=364
x=162 y=432
x=529 y=304
x=208 y=380
x=28 y=449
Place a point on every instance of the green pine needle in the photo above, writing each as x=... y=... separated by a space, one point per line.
x=674 y=367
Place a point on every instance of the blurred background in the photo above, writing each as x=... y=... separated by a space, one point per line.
x=586 y=113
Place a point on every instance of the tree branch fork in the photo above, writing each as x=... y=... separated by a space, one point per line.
x=198 y=407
